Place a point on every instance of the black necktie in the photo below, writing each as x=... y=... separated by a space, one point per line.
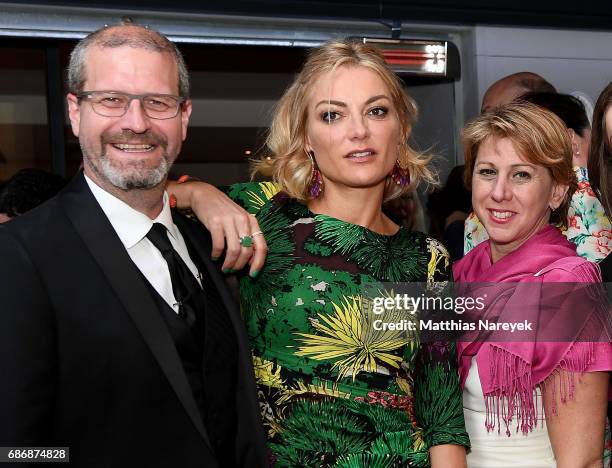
x=184 y=285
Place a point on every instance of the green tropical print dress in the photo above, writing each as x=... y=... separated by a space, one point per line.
x=335 y=392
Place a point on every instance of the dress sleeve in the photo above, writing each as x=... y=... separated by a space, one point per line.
x=252 y=196
x=438 y=403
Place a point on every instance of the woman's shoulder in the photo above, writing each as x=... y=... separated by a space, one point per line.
x=428 y=243
x=438 y=267
x=252 y=196
x=572 y=269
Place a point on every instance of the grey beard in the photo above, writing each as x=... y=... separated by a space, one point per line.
x=125 y=180
x=145 y=179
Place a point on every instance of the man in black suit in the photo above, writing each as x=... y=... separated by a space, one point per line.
x=118 y=337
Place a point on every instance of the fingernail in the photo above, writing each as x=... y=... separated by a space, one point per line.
x=254 y=274
x=227 y=270
x=214 y=259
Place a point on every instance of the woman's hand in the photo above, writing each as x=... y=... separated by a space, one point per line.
x=447 y=456
x=226 y=221
x=576 y=431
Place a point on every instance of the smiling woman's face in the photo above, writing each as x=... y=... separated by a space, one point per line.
x=511 y=196
x=352 y=128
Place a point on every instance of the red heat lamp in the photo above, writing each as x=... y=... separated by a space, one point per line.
x=416 y=57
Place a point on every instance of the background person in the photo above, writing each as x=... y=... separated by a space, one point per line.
x=448 y=208
x=27 y=189
x=508 y=88
x=600 y=161
x=518 y=164
x=600 y=168
x=406 y=210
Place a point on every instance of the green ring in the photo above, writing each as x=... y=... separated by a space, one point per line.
x=246 y=241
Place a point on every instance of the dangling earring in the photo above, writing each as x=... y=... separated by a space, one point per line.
x=315 y=186
x=400 y=175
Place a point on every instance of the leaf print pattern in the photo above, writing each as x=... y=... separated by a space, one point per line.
x=349 y=335
x=333 y=390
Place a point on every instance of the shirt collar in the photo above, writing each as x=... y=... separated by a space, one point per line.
x=130 y=225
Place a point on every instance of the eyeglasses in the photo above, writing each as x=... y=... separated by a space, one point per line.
x=116 y=104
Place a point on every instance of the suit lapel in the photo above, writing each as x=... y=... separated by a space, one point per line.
x=125 y=279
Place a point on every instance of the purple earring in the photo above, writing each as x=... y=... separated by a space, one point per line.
x=399 y=175
x=315 y=187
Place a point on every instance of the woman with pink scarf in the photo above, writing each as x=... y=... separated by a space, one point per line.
x=537 y=403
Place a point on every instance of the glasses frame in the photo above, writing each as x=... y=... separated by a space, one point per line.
x=87 y=95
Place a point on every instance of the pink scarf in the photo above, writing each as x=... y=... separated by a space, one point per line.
x=510 y=370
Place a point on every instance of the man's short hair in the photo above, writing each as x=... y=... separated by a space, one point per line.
x=124 y=35
x=513 y=86
x=533 y=82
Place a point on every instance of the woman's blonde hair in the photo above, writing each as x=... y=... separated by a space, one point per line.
x=537 y=134
x=286 y=159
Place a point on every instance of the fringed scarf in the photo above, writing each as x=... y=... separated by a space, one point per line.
x=509 y=370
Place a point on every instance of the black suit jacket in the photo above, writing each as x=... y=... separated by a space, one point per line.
x=86 y=360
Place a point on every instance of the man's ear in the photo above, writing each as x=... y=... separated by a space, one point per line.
x=74 y=113
x=558 y=195
x=185 y=115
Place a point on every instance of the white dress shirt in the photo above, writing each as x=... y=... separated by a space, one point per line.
x=132 y=227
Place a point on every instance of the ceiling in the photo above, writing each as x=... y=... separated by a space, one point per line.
x=588 y=14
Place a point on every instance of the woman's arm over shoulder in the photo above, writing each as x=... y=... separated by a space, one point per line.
x=226 y=220
x=251 y=196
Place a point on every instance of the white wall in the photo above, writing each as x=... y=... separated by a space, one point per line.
x=571 y=60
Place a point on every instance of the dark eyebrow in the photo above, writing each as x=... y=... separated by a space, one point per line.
x=343 y=104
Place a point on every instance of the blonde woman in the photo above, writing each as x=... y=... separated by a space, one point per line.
x=334 y=390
